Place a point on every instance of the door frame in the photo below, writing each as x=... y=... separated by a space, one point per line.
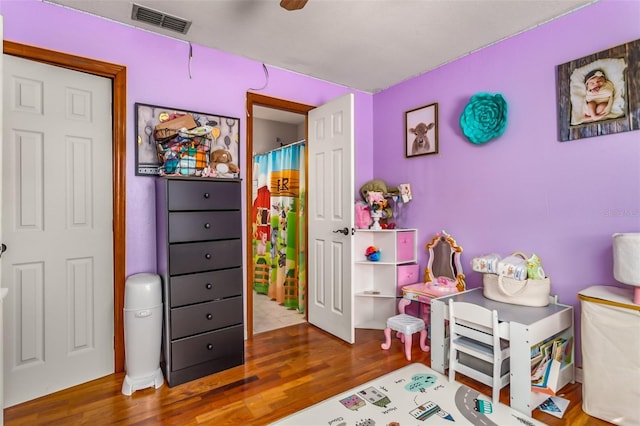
x=118 y=75
x=274 y=103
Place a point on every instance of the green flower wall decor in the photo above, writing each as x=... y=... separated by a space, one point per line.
x=484 y=118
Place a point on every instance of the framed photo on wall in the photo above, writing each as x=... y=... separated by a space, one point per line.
x=222 y=132
x=421 y=131
x=599 y=94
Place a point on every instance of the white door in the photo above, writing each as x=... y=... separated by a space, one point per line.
x=1 y=290
x=57 y=223
x=331 y=198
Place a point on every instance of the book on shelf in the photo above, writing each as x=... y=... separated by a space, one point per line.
x=548 y=382
x=536 y=366
x=566 y=351
x=547 y=359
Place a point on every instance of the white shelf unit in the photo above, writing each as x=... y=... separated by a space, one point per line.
x=558 y=322
x=375 y=283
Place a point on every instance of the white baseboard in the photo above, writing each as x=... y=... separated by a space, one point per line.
x=578 y=374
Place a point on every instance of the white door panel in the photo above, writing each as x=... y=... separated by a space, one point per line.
x=3 y=291
x=58 y=226
x=331 y=146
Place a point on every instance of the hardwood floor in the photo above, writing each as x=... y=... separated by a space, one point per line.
x=286 y=370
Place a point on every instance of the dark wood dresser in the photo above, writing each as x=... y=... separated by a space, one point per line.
x=199 y=243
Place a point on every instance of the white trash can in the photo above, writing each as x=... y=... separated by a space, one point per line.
x=142 y=332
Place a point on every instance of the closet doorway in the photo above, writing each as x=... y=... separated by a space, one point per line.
x=274 y=127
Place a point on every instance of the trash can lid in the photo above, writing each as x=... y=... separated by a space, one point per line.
x=142 y=290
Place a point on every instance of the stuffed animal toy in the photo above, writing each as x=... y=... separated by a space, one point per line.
x=372 y=254
x=379 y=185
x=208 y=172
x=222 y=162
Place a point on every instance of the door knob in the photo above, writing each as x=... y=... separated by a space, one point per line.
x=3 y=248
x=344 y=231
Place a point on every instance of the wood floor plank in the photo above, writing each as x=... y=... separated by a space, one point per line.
x=285 y=371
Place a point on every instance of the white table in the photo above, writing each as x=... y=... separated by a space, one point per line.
x=527 y=326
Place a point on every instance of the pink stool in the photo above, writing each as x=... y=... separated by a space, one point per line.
x=405 y=326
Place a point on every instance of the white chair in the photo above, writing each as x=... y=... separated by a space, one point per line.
x=474 y=330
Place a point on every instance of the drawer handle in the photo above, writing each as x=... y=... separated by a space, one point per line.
x=209 y=316
x=209 y=286
x=209 y=346
x=206 y=195
x=207 y=225
x=207 y=256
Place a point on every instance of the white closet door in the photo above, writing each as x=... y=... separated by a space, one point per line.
x=57 y=222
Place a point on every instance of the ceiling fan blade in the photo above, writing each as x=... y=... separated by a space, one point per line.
x=293 y=4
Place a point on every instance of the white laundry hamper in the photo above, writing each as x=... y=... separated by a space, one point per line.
x=142 y=332
x=610 y=332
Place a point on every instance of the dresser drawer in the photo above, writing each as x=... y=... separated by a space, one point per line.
x=203 y=195
x=204 y=225
x=407 y=274
x=195 y=319
x=197 y=257
x=405 y=244
x=228 y=342
x=206 y=286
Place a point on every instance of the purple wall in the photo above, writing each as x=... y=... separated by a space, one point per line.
x=157 y=73
x=524 y=191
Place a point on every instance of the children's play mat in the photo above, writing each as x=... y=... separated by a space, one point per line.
x=412 y=395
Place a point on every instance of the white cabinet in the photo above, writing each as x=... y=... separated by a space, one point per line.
x=375 y=283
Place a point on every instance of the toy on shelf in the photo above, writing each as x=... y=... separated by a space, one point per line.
x=370 y=192
x=377 y=203
x=381 y=205
x=442 y=286
x=222 y=164
x=372 y=254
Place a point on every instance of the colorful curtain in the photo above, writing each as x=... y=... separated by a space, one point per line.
x=279 y=238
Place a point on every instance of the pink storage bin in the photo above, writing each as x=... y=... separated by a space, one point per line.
x=407 y=274
x=405 y=246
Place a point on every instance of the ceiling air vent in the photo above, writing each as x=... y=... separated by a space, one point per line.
x=159 y=19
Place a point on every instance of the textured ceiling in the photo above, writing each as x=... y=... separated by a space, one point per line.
x=367 y=45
